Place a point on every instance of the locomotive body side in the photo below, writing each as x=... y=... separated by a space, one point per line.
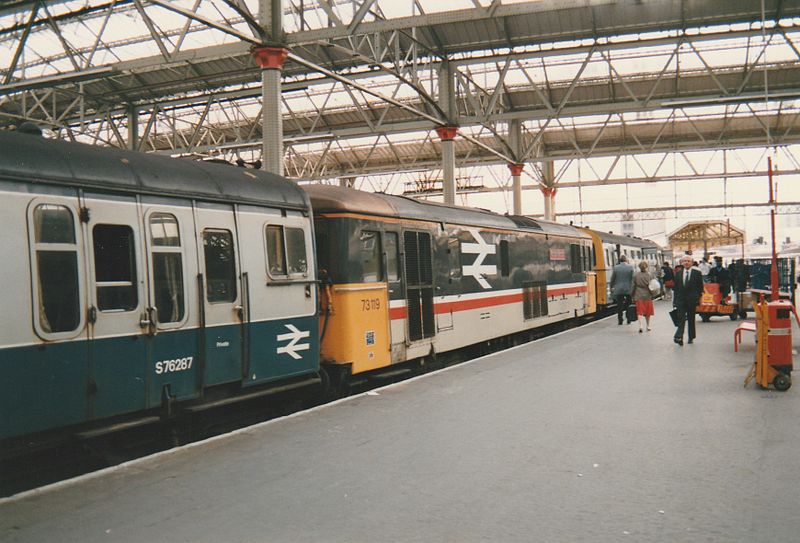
x=142 y=284
x=453 y=277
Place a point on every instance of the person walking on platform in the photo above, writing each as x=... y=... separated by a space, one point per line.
x=621 y=286
x=704 y=266
x=642 y=296
x=721 y=276
x=687 y=292
x=668 y=280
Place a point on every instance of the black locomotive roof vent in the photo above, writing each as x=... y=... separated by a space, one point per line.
x=30 y=128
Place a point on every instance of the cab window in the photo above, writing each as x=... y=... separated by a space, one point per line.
x=286 y=251
x=392 y=256
x=369 y=245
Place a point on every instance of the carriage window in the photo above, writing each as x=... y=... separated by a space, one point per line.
x=505 y=260
x=220 y=265
x=370 y=256
x=164 y=230
x=276 y=253
x=296 y=251
x=392 y=256
x=53 y=224
x=167 y=259
x=115 y=267
x=59 y=305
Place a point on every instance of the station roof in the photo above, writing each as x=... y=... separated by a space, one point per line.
x=586 y=78
x=706 y=235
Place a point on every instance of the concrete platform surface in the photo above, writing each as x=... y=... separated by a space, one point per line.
x=598 y=434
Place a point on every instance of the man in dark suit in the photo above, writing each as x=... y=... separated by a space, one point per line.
x=621 y=286
x=687 y=292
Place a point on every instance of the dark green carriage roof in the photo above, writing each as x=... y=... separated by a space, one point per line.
x=626 y=240
x=334 y=199
x=34 y=159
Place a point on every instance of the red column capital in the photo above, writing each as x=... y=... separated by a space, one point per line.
x=447 y=133
x=549 y=192
x=516 y=169
x=270 y=58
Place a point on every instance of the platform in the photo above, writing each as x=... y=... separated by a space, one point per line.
x=596 y=434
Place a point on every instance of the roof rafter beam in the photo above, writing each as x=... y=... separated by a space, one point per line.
x=206 y=21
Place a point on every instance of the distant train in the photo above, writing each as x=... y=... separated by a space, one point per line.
x=139 y=288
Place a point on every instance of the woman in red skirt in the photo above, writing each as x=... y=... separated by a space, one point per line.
x=642 y=295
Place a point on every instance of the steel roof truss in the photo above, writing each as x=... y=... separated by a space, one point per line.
x=243 y=11
x=154 y=32
x=694 y=127
x=206 y=21
x=564 y=100
x=21 y=45
x=790 y=125
x=330 y=12
x=70 y=52
x=199 y=125
x=607 y=57
x=664 y=71
x=149 y=126
x=498 y=90
x=359 y=16
x=749 y=69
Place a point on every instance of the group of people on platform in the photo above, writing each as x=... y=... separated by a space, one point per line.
x=683 y=286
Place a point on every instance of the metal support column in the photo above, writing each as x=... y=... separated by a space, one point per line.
x=270 y=59
x=133 y=127
x=515 y=142
x=516 y=173
x=549 y=190
x=447 y=135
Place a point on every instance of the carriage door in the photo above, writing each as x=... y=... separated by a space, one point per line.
x=171 y=320
x=220 y=293
x=419 y=285
x=118 y=346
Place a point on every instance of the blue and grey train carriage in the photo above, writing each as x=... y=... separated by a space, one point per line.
x=410 y=280
x=135 y=284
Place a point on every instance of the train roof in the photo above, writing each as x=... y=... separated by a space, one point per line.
x=334 y=199
x=35 y=159
x=625 y=240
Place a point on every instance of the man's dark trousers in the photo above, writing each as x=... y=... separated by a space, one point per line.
x=622 y=301
x=685 y=314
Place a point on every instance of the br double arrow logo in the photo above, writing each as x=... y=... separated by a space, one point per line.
x=294 y=336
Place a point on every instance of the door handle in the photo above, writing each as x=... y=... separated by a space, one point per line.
x=239 y=312
x=148 y=322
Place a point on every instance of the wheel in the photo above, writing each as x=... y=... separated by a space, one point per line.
x=782 y=382
x=742 y=314
x=705 y=317
x=733 y=316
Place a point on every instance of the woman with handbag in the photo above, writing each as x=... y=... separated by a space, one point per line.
x=645 y=286
x=669 y=280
